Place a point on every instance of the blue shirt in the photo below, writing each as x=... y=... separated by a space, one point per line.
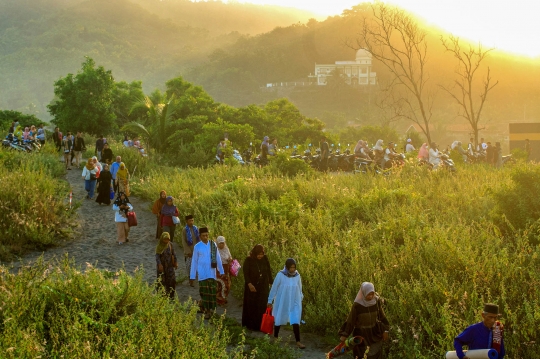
x=114 y=168
x=476 y=336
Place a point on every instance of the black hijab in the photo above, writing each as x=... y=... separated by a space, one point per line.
x=119 y=201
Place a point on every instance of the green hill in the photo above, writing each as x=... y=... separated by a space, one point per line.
x=41 y=40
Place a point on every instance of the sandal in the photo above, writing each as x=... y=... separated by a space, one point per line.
x=300 y=345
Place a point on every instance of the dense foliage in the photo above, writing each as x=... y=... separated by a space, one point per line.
x=9 y=116
x=430 y=241
x=32 y=205
x=84 y=101
x=100 y=314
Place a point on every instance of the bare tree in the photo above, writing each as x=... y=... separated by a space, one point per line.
x=394 y=38
x=469 y=61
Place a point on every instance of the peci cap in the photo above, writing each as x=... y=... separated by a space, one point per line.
x=189 y=217
x=491 y=308
x=203 y=230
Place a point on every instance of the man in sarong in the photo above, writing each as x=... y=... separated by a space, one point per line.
x=205 y=261
x=190 y=237
x=487 y=334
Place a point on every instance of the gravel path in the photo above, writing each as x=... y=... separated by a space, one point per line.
x=94 y=242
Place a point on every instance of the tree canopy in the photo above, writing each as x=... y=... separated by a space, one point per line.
x=84 y=101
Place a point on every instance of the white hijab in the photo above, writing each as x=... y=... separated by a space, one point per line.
x=378 y=145
x=224 y=253
x=365 y=289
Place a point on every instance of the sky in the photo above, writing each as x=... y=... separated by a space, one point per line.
x=510 y=25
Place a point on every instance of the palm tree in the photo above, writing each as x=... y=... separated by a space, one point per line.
x=159 y=115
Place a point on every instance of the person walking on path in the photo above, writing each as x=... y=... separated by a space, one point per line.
x=121 y=207
x=166 y=262
x=168 y=212
x=99 y=146
x=89 y=175
x=206 y=261
x=97 y=164
x=224 y=281
x=114 y=169
x=104 y=186
x=57 y=138
x=78 y=148
x=67 y=146
x=366 y=319
x=487 y=334
x=122 y=179
x=107 y=155
x=156 y=209
x=190 y=237
x=286 y=294
x=258 y=278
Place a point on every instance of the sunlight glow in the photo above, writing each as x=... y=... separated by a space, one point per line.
x=507 y=25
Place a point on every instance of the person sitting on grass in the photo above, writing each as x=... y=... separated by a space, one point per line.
x=487 y=334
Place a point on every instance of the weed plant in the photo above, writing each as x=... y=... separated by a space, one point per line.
x=54 y=310
x=431 y=242
x=31 y=201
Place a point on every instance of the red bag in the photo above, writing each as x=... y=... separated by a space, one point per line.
x=132 y=219
x=267 y=324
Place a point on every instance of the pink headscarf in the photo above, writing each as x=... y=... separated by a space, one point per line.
x=26 y=133
x=423 y=152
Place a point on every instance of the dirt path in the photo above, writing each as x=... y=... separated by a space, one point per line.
x=95 y=242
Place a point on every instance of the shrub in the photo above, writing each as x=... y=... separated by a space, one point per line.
x=101 y=314
x=288 y=166
x=427 y=240
x=32 y=209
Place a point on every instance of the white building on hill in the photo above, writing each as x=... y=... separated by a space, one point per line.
x=354 y=72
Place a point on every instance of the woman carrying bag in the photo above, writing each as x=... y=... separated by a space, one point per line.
x=367 y=320
x=287 y=296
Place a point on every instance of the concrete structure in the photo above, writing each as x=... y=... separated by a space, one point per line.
x=354 y=73
x=519 y=132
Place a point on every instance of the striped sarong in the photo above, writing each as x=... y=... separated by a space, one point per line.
x=208 y=292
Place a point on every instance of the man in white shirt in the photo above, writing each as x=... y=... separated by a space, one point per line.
x=205 y=261
x=409 y=147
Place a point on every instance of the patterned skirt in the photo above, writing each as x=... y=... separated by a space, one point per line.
x=208 y=292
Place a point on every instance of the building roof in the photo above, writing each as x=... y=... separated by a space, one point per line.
x=363 y=54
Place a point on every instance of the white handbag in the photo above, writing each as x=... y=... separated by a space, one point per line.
x=175 y=220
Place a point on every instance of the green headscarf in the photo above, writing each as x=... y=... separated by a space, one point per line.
x=162 y=245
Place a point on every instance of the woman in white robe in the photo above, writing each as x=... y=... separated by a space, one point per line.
x=286 y=294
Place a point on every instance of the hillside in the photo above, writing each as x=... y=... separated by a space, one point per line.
x=41 y=40
x=235 y=74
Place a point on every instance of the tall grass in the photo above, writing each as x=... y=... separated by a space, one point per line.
x=56 y=311
x=31 y=201
x=429 y=241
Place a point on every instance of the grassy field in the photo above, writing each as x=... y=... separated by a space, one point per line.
x=436 y=246
x=32 y=201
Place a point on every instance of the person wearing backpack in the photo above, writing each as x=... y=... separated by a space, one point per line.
x=78 y=148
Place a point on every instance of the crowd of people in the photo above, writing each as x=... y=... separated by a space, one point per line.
x=208 y=262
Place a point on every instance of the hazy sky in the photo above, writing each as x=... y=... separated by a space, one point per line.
x=512 y=25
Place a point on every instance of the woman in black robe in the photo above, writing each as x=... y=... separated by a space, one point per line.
x=104 y=186
x=107 y=155
x=258 y=278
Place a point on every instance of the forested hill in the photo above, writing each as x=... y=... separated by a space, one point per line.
x=148 y=40
x=234 y=74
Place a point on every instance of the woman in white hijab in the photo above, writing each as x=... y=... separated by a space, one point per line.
x=367 y=320
x=378 y=151
x=224 y=281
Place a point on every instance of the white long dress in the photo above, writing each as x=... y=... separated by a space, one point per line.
x=286 y=293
